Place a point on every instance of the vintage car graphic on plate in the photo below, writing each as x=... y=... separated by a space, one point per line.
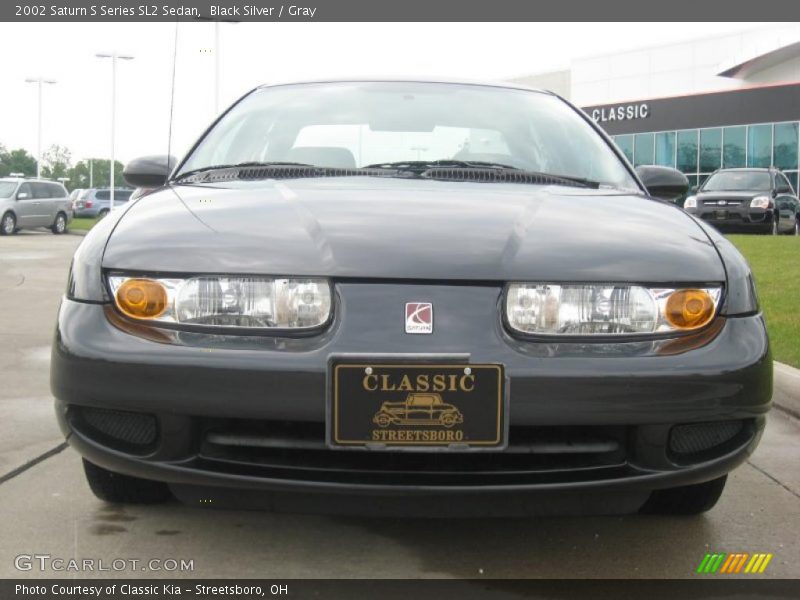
x=418 y=409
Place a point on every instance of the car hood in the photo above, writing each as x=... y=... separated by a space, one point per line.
x=412 y=229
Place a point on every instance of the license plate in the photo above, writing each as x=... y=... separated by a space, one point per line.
x=392 y=406
x=721 y=214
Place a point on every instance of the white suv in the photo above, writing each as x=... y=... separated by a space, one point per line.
x=27 y=203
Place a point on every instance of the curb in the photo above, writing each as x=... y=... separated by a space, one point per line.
x=76 y=232
x=786 y=390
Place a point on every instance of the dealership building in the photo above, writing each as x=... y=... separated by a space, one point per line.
x=700 y=105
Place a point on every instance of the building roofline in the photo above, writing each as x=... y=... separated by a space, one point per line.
x=695 y=94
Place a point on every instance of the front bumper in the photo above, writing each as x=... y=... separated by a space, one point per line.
x=85 y=213
x=582 y=416
x=735 y=218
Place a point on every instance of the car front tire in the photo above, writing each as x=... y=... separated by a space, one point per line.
x=8 y=225
x=60 y=224
x=685 y=500
x=124 y=489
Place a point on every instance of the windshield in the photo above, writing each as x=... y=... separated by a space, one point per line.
x=354 y=125
x=7 y=188
x=738 y=181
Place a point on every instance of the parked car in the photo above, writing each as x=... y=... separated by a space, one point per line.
x=31 y=203
x=96 y=202
x=74 y=195
x=241 y=325
x=755 y=200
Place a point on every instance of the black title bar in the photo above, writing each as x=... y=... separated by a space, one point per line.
x=394 y=589
x=403 y=10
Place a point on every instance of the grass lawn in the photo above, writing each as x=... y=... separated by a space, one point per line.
x=82 y=224
x=775 y=261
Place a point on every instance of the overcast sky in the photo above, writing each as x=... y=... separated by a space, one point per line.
x=77 y=108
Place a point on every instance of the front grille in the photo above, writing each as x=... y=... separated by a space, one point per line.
x=120 y=429
x=298 y=451
x=722 y=202
x=694 y=439
x=723 y=216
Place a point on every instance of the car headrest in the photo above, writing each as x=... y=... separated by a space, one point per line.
x=323 y=156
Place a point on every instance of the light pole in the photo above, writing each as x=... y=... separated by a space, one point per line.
x=39 y=81
x=419 y=150
x=114 y=56
x=216 y=68
x=217 y=58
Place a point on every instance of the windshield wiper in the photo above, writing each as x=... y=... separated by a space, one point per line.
x=419 y=166
x=446 y=169
x=499 y=172
x=241 y=165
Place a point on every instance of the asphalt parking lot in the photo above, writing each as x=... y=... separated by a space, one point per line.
x=49 y=510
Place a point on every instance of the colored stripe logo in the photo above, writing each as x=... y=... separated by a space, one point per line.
x=734 y=563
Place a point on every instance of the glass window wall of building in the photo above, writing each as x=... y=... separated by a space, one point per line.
x=643 y=149
x=699 y=152
x=734 y=147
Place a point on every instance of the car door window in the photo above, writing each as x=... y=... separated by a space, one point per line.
x=782 y=184
x=56 y=191
x=40 y=190
x=25 y=189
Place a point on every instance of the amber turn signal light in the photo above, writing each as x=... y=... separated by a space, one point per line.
x=689 y=309
x=142 y=298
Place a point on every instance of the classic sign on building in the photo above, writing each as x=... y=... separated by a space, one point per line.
x=623 y=112
x=756 y=126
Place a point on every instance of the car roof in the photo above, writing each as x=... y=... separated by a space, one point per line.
x=447 y=80
x=29 y=180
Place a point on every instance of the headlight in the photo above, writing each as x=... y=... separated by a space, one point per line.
x=607 y=309
x=691 y=202
x=222 y=302
x=761 y=202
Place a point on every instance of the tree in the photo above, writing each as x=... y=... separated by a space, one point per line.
x=17 y=161
x=56 y=162
x=79 y=174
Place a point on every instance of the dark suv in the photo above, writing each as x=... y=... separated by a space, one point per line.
x=759 y=200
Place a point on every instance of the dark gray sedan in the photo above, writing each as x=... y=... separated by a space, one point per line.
x=329 y=249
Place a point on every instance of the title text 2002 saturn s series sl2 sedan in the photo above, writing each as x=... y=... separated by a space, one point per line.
x=410 y=297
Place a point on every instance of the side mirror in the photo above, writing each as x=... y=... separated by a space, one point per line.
x=23 y=196
x=149 y=171
x=663 y=183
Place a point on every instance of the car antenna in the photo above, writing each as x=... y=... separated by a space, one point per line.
x=172 y=92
